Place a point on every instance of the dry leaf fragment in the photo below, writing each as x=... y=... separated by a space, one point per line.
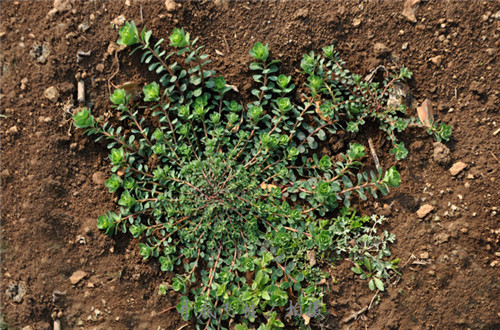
x=267 y=187
x=131 y=88
x=425 y=113
x=306 y=318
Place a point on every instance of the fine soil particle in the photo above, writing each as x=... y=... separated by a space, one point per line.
x=50 y=197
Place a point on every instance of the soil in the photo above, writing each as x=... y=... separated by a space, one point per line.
x=52 y=188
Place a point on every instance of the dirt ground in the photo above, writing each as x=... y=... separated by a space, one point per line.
x=52 y=176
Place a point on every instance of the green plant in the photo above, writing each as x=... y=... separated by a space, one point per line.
x=231 y=196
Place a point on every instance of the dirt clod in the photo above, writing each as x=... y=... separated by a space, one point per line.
x=381 y=49
x=99 y=178
x=441 y=154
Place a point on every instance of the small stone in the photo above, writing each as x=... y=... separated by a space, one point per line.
x=52 y=94
x=77 y=276
x=73 y=146
x=99 y=178
x=441 y=38
x=431 y=272
x=467 y=185
x=490 y=51
x=100 y=67
x=436 y=60
x=494 y=263
x=47 y=119
x=424 y=210
x=424 y=255
x=171 y=5
x=356 y=22
x=405 y=46
x=464 y=230
x=13 y=130
x=441 y=154
x=457 y=168
x=436 y=218
x=470 y=177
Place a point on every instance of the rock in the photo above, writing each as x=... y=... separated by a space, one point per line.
x=16 y=292
x=62 y=5
x=52 y=94
x=73 y=146
x=77 y=276
x=99 y=178
x=457 y=168
x=380 y=49
x=441 y=154
x=171 y=5
x=356 y=22
x=409 y=10
x=405 y=46
x=100 y=67
x=84 y=26
x=424 y=210
x=424 y=255
x=399 y=95
x=441 y=238
x=119 y=21
x=436 y=60
x=40 y=52
x=13 y=130
x=47 y=119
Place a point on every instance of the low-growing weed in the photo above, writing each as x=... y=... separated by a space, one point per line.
x=233 y=197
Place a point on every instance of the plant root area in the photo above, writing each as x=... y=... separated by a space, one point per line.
x=56 y=264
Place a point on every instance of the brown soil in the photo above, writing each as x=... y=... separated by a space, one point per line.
x=49 y=196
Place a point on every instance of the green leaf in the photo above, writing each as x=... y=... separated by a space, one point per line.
x=260 y=51
x=392 y=177
x=151 y=92
x=179 y=38
x=83 y=119
x=128 y=34
x=378 y=283
x=118 y=97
